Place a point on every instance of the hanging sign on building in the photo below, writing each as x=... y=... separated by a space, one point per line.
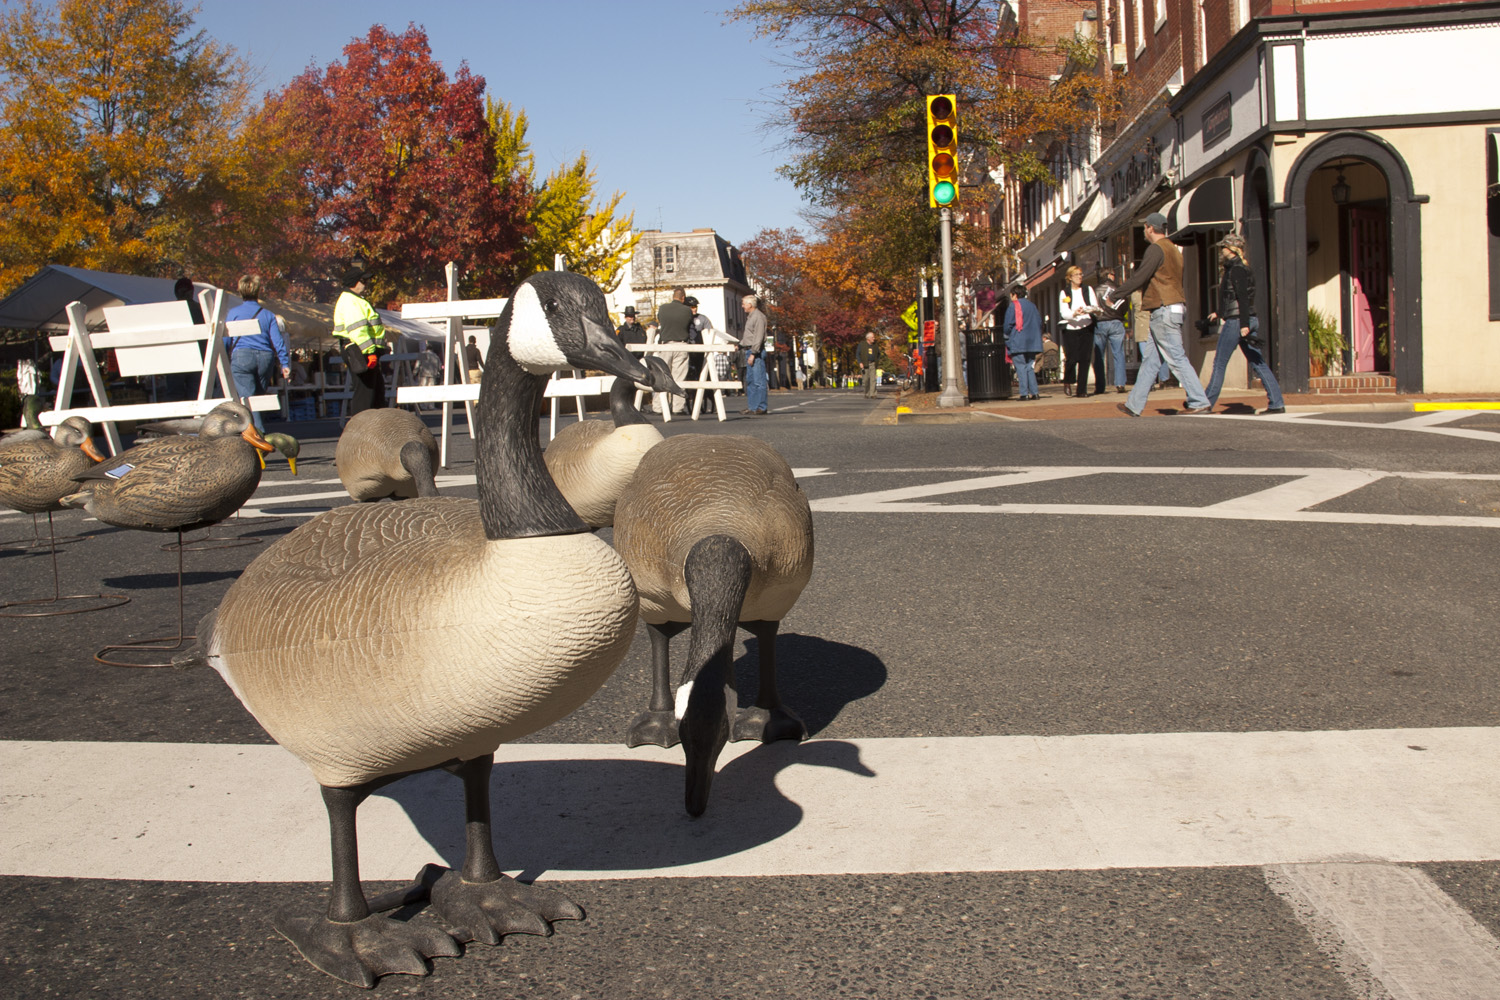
x=1217 y=121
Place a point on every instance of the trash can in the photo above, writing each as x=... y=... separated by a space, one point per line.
x=989 y=374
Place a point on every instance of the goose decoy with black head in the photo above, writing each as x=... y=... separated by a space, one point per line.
x=37 y=471
x=387 y=453
x=519 y=614
x=178 y=483
x=717 y=535
x=593 y=460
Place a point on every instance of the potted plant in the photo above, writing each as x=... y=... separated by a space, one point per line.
x=1324 y=342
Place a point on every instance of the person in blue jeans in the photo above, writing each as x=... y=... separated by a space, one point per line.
x=1023 y=339
x=1109 y=331
x=1159 y=279
x=254 y=360
x=1241 y=328
x=753 y=342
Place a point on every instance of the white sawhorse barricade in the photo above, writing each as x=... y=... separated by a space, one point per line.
x=456 y=387
x=156 y=338
x=708 y=380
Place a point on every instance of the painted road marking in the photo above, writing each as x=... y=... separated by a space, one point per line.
x=1392 y=931
x=1282 y=502
x=1426 y=423
x=234 y=813
x=1470 y=407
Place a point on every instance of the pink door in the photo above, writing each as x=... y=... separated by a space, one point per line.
x=1369 y=288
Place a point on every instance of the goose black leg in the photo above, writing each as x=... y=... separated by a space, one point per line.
x=768 y=720
x=351 y=943
x=658 y=724
x=482 y=903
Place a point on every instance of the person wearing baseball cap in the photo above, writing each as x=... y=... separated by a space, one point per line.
x=1159 y=279
x=1241 y=329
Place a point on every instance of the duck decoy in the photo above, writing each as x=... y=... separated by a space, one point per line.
x=387 y=453
x=178 y=483
x=521 y=613
x=288 y=446
x=36 y=472
x=592 y=460
x=717 y=534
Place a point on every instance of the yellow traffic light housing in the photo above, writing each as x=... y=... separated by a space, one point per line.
x=942 y=151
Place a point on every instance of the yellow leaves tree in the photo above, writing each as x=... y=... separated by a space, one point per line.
x=118 y=125
x=564 y=216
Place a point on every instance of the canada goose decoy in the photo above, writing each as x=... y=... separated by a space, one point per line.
x=387 y=453
x=524 y=613
x=178 y=483
x=592 y=460
x=717 y=534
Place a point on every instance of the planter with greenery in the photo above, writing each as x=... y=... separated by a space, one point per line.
x=1325 y=345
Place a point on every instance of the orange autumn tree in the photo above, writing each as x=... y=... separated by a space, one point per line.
x=854 y=120
x=119 y=126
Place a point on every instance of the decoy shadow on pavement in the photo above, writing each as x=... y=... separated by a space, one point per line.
x=608 y=814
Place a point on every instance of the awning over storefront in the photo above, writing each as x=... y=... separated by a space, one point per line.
x=1043 y=250
x=1073 y=233
x=1128 y=212
x=1210 y=205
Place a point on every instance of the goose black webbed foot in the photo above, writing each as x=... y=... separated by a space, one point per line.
x=361 y=951
x=768 y=725
x=487 y=911
x=656 y=728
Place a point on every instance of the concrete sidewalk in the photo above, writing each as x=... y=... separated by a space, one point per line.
x=1054 y=405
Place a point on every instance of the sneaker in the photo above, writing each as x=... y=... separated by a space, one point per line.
x=1197 y=409
x=1126 y=410
x=1268 y=411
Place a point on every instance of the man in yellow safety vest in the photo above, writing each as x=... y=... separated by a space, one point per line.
x=361 y=334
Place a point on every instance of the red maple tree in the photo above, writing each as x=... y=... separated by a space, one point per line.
x=392 y=162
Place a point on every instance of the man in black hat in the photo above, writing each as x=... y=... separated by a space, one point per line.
x=631 y=331
x=361 y=335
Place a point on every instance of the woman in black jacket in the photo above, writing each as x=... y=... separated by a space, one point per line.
x=1240 y=328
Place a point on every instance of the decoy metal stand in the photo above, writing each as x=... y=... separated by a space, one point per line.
x=58 y=603
x=36 y=541
x=177 y=642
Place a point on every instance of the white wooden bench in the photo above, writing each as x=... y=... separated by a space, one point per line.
x=155 y=338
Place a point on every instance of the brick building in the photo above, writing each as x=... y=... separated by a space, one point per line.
x=1353 y=143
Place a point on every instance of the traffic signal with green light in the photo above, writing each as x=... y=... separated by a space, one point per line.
x=942 y=151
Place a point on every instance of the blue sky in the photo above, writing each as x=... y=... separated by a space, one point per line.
x=664 y=96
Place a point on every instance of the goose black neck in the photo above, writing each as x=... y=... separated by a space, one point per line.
x=717 y=571
x=622 y=403
x=517 y=497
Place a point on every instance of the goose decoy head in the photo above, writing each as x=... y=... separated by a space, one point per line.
x=560 y=319
x=287 y=445
x=76 y=432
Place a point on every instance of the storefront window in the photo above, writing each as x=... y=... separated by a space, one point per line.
x=1492 y=215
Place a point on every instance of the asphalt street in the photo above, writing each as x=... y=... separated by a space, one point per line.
x=1215 y=605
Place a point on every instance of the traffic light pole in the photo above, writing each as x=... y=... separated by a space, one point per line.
x=953 y=393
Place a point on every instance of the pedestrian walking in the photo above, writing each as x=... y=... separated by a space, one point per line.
x=1023 y=339
x=1109 y=330
x=254 y=361
x=1241 y=327
x=675 y=320
x=1160 y=279
x=473 y=359
x=868 y=355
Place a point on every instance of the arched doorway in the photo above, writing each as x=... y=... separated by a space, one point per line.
x=1257 y=232
x=1349 y=233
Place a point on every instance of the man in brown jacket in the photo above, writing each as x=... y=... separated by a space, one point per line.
x=1160 y=276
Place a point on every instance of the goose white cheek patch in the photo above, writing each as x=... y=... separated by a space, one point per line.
x=680 y=703
x=530 y=335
